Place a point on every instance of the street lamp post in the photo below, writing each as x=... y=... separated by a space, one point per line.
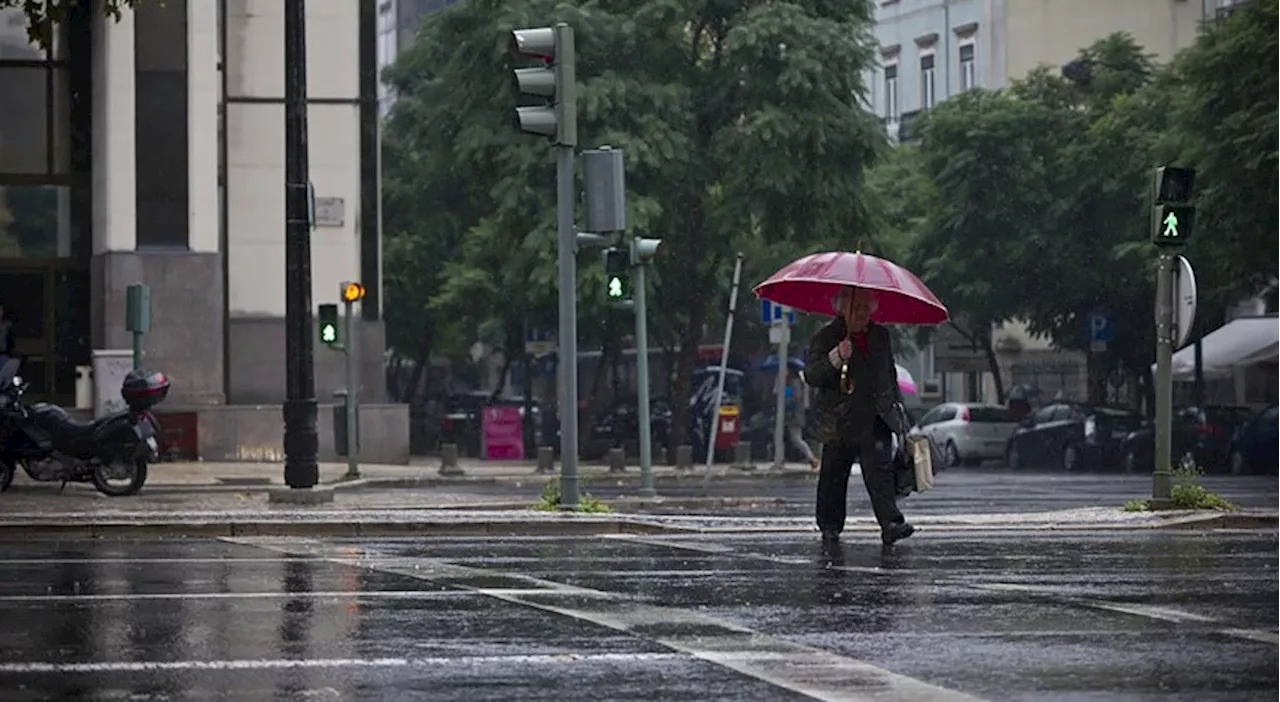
x=300 y=439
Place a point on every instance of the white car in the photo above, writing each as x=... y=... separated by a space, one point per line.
x=968 y=433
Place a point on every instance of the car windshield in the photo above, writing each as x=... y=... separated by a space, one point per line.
x=989 y=415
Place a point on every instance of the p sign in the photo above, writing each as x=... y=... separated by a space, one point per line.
x=1101 y=328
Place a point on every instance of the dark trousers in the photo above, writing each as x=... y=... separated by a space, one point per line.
x=875 y=451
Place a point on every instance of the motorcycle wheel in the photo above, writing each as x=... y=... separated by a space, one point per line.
x=7 y=470
x=139 y=476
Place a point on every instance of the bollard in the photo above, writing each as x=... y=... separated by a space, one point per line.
x=684 y=457
x=449 y=460
x=617 y=460
x=546 y=461
x=742 y=456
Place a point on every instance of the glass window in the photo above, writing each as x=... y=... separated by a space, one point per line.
x=24 y=134
x=16 y=44
x=35 y=222
x=968 y=67
x=891 y=92
x=927 y=88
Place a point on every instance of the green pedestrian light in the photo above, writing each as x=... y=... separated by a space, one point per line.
x=328 y=317
x=1172 y=224
x=617 y=289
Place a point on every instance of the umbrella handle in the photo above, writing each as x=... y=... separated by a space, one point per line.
x=845 y=384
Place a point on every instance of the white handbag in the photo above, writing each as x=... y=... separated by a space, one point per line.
x=921 y=460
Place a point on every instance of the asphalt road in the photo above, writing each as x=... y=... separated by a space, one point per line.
x=944 y=616
x=956 y=491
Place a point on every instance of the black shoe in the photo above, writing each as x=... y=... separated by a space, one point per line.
x=830 y=535
x=895 y=533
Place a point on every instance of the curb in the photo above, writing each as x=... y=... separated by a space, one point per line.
x=121 y=526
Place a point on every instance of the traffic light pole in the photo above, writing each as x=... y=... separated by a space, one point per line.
x=301 y=441
x=349 y=346
x=780 y=402
x=566 y=248
x=1162 y=482
x=642 y=381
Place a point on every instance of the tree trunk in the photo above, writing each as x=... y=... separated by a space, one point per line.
x=993 y=364
x=686 y=361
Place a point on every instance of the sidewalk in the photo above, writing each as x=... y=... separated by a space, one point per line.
x=423 y=472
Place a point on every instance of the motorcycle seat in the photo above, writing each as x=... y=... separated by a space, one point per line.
x=54 y=416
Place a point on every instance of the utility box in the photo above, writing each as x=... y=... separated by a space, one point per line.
x=605 y=194
x=137 y=310
x=340 y=429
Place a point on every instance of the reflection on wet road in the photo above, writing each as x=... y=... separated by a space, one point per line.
x=1123 y=616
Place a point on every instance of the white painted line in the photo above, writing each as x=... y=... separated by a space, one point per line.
x=1165 y=614
x=680 y=543
x=354 y=594
x=290 y=663
x=811 y=671
x=168 y=561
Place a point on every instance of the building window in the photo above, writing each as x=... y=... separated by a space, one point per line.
x=891 y=92
x=161 y=124
x=968 y=67
x=928 y=90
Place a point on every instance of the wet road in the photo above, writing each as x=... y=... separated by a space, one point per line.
x=957 y=491
x=945 y=616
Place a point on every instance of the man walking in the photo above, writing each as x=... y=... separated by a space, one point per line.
x=859 y=411
x=797 y=407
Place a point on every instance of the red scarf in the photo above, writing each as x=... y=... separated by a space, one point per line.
x=860 y=338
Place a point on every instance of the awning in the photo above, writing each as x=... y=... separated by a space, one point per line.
x=1239 y=342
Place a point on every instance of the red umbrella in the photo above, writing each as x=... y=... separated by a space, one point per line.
x=810 y=284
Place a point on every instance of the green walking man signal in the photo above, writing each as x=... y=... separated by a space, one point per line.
x=328 y=316
x=617 y=262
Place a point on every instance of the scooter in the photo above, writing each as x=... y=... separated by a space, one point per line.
x=111 y=452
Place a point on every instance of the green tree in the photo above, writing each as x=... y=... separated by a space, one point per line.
x=43 y=15
x=740 y=121
x=1225 y=119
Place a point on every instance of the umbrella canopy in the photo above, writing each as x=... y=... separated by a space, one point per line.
x=810 y=284
x=770 y=363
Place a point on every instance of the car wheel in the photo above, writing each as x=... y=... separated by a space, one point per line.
x=1011 y=457
x=952 y=455
x=1070 y=458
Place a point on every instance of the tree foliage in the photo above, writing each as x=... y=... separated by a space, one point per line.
x=1033 y=202
x=742 y=128
x=44 y=15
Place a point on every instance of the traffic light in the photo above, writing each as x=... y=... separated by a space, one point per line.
x=1172 y=214
x=328 y=316
x=554 y=79
x=617 y=264
x=352 y=292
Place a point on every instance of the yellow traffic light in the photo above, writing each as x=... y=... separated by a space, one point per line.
x=352 y=292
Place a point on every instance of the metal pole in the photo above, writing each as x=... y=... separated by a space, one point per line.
x=353 y=396
x=137 y=350
x=300 y=439
x=780 y=402
x=724 y=365
x=568 y=343
x=642 y=382
x=1161 y=488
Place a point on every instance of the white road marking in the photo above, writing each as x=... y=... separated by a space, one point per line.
x=810 y=671
x=293 y=663
x=1060 y=593
x=167 y=561
x=128 y=596
x=1165 y=614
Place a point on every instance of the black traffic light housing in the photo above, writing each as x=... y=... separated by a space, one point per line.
x=617 y=266
x=1172 y=214
x=328 y=318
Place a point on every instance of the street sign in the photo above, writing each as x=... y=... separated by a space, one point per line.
x=1184 y=301
x=1101 y=328
x=774 y=314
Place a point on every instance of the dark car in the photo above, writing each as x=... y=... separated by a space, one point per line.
x=1205 y=433
x=1253 y=450
x=1071 y=436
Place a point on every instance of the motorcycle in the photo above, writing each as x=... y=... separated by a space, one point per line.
x=52 y=446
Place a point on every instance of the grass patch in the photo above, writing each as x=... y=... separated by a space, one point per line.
x=1187 y=492
x=550 y=500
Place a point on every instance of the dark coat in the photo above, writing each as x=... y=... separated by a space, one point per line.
x=831 y=406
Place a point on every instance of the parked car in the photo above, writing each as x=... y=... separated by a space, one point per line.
x=967 y=432
x=1206 y=433
x=1253 y=449
x=1072 y=436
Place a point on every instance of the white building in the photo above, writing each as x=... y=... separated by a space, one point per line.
x=151 y=150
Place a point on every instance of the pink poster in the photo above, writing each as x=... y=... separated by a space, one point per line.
x=503 y=434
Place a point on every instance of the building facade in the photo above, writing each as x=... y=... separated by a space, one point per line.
x=151 y=150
